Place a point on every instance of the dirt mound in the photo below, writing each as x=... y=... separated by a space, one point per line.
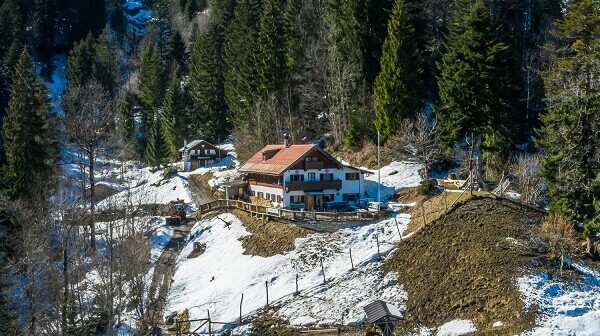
x=464 y=265
x=268 y=238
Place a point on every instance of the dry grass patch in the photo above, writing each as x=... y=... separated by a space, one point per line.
x=366 y=156
x=201 y=181
x=268 y=238
x=464 y=265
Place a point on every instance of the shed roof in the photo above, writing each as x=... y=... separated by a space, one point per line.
x=378 y=310
x=275 y=159
x=196 y=143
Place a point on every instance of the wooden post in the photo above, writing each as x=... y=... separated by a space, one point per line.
x=351 y=261
x=209 y=323
x=423 y=213
x=297 y=292
x=323 y=271
x=377 y=240
x=241 y=301
x=445 y=198
x=398 y=228
x=176 y=327
x=267 y=288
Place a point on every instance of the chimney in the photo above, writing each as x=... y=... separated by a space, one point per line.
x=286 y=140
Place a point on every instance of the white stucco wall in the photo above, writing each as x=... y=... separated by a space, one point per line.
x=348 y=187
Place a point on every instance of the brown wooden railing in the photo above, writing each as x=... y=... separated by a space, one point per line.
x=291 y=215
x=313 y=185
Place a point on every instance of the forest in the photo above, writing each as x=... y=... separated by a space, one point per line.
x=513 y=80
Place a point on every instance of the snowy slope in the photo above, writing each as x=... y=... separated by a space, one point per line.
x=216 y=279
x=572 y=309
x=395 y=176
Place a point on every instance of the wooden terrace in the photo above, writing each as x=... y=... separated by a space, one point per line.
x=291 y=215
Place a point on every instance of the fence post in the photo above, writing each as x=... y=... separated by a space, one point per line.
x=267 y=287
x=176 y=327
x=445 y=197
x=297 y=292
x=351 y=261
x=398 y=228
x=423 y=213
x=241 y=301
x=323 y=271
x=209 y=324
x=377 y=240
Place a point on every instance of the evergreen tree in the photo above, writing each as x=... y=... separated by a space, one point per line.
x=174 y=122
x=206 y=84
x=151 y=88
x=474 y=80
x=81 y=61
x=44 y=33
x=569 y=134
x=160 y=30
x=179 y=53
x=270 y=56
x=398 y=87
x=105 y=67
x=129 y=110
x=156 y=151
x=28 y=141
x=11 y=25
x=292 y=33
x=240 y=50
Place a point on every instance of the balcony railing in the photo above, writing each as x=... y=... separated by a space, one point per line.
x=313 y=185
x=314 y=165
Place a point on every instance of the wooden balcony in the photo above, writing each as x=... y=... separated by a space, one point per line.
x=313 y=165
x=264 y=184
x=313 y=185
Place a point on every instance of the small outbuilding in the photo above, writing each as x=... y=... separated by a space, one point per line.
x=384 y=315
x=200 y=153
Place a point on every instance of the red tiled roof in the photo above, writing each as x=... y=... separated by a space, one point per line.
x=277 y=158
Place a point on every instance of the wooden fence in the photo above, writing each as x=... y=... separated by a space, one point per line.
x=292 y=215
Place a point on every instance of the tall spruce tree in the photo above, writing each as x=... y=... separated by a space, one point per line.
x=474 y=80
x=105 y=66
x=270 y=56
x=156 y=151
x=151 y=88
x=28 y=138
x=81 y=61
x=129 y=110
x=569 y=134
x=174 y=123
x=207 y=84
x=398 y=87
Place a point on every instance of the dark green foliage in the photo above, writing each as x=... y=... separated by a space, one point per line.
x=207 y=85
x=117 y=20
x=129 y=110
x=427 y=187
x=11 y=25
x=81 y=60
x=179 y=53
x=160 y=30
x=43 y=35
x=156 y=151
x=105 y=67
x=28 y=140
x=174 y=122
x=570 y=127
x=477 y=85
x=398 y=87
x=151 y=89
x=269 y=59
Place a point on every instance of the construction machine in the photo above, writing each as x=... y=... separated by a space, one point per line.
x=177 y=213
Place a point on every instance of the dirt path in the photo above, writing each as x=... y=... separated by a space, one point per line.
x=164 y=269
x=199 y=194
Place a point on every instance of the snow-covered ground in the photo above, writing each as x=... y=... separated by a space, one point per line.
x=216 y=279
x=395 y=176
x=565 y=309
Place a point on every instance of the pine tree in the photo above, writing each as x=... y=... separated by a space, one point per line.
x=11 y=25
x=129 y=110
x=570 y=127
x=151 y=88
x=398 y=87
x=472 y=84
x=179 y=53
x=156 y=151
x=28 y=141
x=206 y=85
x=160 y=30
x=81 y=60
x=105 y=66
x=174 y=118
x=292 y=34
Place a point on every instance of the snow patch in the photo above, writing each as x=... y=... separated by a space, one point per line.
x=456 y=328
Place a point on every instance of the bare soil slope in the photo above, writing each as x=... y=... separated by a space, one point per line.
x=463 y=265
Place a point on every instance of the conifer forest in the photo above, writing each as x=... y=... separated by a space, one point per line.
x=478 y=88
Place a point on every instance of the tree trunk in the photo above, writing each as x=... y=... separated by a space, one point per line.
x=65 y=302
x=479 y=160
x=92 y=190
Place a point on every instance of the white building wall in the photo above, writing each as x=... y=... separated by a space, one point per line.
x=348 y=187
x=266 y=190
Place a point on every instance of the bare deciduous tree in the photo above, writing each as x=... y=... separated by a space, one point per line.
x=560 y=235
x=89 y=121
x=524 y=170
x=420 y=137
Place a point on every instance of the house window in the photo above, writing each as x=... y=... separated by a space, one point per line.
x=326 y=177
x=350 y=197
x=273 y=197
x=311 y=176
x=351 y=176
x=311 y=159
x=297 y=199
x=297 y=178
x=279 y=198
x=328 y=197
x=260 y=194
x=212 y=152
